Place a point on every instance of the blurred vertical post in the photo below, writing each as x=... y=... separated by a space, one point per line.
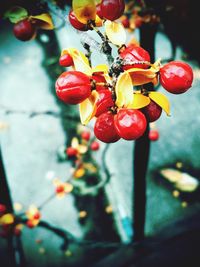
x=15 y=256
x=142 y=148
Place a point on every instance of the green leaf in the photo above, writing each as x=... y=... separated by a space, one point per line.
x=16 y=14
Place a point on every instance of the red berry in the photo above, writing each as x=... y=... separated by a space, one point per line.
x=76 y=23
x=176 y=77
x=37 y=216
x=152 y=111
x=17 y=231
x=71 y=152
x=126 y=22
x=30 y=224
x=153 y=135
x=60 y=189
x=104 y=128
x=104 y=102
x=138 y=22
x=112 y=9
x=24 y=30
x=130 y=123
x=135 y=53
x=95 y=146
x=2 y=209
x=99 y=78
x=66 y=60
x=73 y=87
x=98 y=11
x=85 y=135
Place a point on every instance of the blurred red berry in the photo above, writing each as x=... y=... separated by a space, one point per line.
x=95 y=146
x=71 y=152
x=66 y=60
x=153 y=135
x=85 y=135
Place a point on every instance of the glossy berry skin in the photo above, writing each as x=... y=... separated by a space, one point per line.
x=104 y=128
x=76 y=23
x=85 y=135
x=176 y=77
x=112 y=9
x=152 y=111
x=104 y=102
x=135 y=53
x=130 y=123
x=66 y=60
x=98 y=10
x=73 y=87
x=71 y=152
x=24 y=30
x=153 y=135
x=95 y=146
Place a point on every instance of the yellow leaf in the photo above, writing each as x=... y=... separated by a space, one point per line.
x=81 y=62
x=100 y=68
x=43 y=21
x=142 y=76
x=161 y=100
x=88 y=108
x=74 y=142
x=7 y=219
x=124 y=90
x=84 y=10
x=115 y=32
x=79 y=172
x=98 y=21
x=139 y=101
x=82 y=149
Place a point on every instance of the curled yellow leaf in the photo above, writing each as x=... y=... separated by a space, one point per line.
x=74 y=142
x=43 y=21
x=100 y=68
x=84 y=10
x=88 y=108
x=139 y=101
x=98 y=21
x=115 y=32
x=142 y=76
x=81 y=62
x=161 y=100
x=124 y=90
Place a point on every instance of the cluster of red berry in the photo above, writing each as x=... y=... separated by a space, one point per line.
x=113 y=123
x=103 y=11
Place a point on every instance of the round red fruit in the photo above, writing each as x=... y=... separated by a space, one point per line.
x=24 y=30
x=126 y=22
x=134 y=53
x=71 y=152
x=104 y=128
x=98 y=10
x=176 y=77
x=95 y=146
x=30 y=224
x=37 y=216
x=104 y=102
x=66 y=60
x=85 y=135
x=152 y=111
x=76 y=23
x=153 y=135
x=112 y=9
x=130 y=123
x=60 y=189
x=2 y=209
x=73 y=87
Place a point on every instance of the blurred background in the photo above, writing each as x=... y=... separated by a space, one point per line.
x=92 y=224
